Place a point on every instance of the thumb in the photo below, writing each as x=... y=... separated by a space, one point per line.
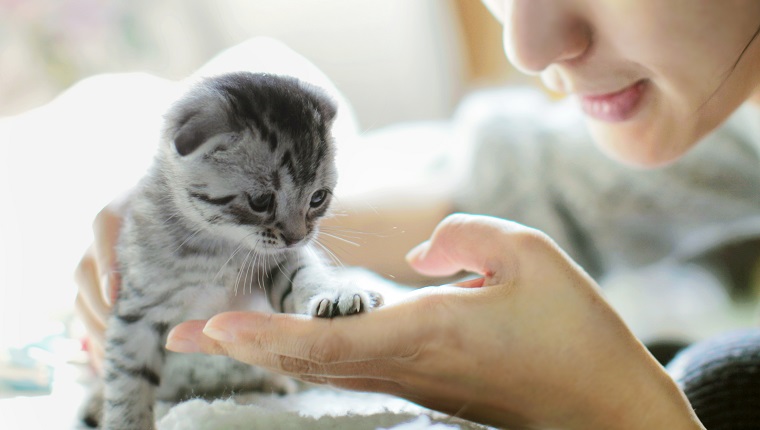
x=475 y=243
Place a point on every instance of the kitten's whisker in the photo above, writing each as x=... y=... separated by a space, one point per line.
x=240 y=272
x=283 y=272
x=339 y=249
x=173 y=215
x=247 y=268
x=264 y=287
x=342 y=234
x=242 y=242
x=340 y=239
x=237 y=278
x=368 y=205
x=331 y=254
x=265 y=269
x=263 y=273
x=334 y=228
x=266 y=272
x=187 y=239
x=252 y=267
x=311 y=251
x=262 y=268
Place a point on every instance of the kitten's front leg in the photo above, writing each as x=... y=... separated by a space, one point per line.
x=309 y=288
x=133 y=364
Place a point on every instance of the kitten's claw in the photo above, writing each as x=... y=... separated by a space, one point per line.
x=357 y=305
x=324 y=310
x=337 y=304
x=376 y=300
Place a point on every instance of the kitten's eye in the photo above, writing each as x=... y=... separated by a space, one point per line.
x=318 y=198
x=261 y=203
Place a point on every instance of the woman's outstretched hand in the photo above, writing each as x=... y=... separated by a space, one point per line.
x=530 y=344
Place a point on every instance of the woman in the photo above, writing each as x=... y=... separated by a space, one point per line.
x=531 y=344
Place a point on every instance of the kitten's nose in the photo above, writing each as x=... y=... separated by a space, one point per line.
x=291 y=239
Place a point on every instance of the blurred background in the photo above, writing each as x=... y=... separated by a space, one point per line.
x=395 y=60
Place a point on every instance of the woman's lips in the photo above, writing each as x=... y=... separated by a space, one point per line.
x=614 y=107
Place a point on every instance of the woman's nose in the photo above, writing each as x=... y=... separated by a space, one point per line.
x=538 y=33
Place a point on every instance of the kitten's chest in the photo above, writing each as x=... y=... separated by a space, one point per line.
x=184 y=290
x=237 y=290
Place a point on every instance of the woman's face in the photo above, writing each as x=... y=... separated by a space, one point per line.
x=652 y=76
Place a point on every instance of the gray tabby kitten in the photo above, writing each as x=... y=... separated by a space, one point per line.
x=223 y=221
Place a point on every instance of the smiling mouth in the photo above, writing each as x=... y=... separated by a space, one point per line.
x=616 y=106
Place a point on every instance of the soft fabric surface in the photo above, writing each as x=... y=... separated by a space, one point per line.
x=314 y=409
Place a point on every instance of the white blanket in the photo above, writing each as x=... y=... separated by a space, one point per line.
x=313 y=409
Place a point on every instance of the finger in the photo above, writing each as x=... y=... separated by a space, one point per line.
x=106 y=229
x=478 y=244
x=189 y=337
x=95 y=327
x=470 y=283
x=379 y=369
x=90 y=297
x=355 y=338
x=371 y=385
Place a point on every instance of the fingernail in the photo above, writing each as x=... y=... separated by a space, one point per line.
x=418 y=251
x=178 y=344
x=217 y=333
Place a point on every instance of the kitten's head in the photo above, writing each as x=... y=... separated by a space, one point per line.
x=250 y=157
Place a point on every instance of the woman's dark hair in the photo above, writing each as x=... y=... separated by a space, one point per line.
x=733 y=66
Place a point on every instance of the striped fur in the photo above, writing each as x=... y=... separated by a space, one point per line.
x=223 y=221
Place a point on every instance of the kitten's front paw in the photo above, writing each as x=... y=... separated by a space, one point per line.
x=332 y=304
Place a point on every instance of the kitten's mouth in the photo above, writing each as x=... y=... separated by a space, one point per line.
x=272 y=250
x=275 y=249
x=274 y=245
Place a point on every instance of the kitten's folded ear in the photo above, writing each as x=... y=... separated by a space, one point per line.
x=194 y=120
x=326 y=106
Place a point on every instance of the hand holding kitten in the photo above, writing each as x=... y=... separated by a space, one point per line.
x=531 y=344
x=98 y=279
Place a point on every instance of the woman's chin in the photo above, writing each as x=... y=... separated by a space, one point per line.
x=646 y=150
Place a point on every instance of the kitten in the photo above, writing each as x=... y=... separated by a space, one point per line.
x=223 y=221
